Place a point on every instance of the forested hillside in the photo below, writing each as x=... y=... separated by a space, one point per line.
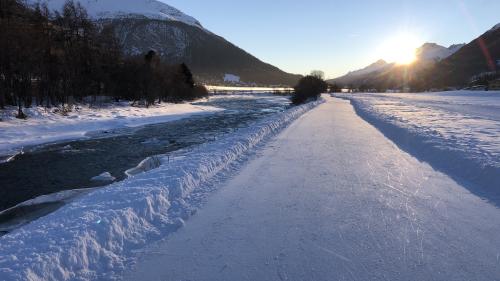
x=57 y=58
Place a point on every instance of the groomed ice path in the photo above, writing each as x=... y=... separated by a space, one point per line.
x=331 y=198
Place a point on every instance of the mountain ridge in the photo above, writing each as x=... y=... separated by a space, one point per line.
x=397 y=76
x=481 y=55
x=145 y=25
x=106 y=9
x=436 y=52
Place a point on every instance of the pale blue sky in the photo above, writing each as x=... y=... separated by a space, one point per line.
x=337 y=36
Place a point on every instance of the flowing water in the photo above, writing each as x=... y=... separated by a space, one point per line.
x=70 y=165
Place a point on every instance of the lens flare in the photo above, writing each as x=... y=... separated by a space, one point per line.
x=400 y=49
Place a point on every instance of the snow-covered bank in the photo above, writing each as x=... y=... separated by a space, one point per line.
x=456 y=132
x=94 y=237
x=30 y=210
x=46 y=125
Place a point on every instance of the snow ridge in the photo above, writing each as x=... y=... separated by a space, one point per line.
x=94 y=237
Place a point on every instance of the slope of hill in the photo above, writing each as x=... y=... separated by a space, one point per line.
x=151 y=9
x=411 y=76
x=435 y=52
x=143 y=25
x=439 y=67
x=382 y=74
x=357 y=77
x=479 y=56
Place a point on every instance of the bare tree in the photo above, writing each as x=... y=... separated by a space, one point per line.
x=318 y=74
x=54 y=58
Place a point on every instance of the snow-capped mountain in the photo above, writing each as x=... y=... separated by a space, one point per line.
x=427 y=55
x=378 y=65
x=144 y=25
x=435 y=52
x=106 y=9
x=482 y=55
x=436 y=67
x=456 y=47
x=361 y=74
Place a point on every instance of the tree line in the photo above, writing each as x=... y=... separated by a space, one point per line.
x=54 y=58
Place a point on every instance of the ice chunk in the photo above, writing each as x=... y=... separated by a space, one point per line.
x=106 y=176
x=147 y=164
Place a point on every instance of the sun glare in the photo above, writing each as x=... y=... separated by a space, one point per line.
x=400 y=49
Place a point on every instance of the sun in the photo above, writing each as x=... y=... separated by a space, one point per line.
x=400 y=48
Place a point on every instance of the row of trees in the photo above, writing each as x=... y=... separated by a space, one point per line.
x=57 y=58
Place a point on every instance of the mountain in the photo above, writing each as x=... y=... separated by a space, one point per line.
x=382 y=75
x=495 y=27
x=435 y=52
x=479 y=56
x=454 y=48
x=438 y=67
x=151 y=9
x=358 y=76
x=143 y=25
x=376 y=66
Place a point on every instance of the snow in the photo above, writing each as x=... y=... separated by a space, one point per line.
x=456 y=47
x=231 y=78
x=376 y=66
x=105 y=9
x=32 y=209
x=106 y=176
x=44 y=125
x=95 y=236
x=61 y=196
x=433 y=51
x=457 y=132
x=147 y=164
x=331 y=198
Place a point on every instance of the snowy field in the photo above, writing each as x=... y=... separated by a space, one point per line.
x=96 y=236
x=456 y=132
x=45 y=125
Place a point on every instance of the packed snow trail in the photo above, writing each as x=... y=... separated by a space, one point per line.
x=332 y=199
x=456 y=132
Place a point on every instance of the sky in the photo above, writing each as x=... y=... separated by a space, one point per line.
x=339 y=36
